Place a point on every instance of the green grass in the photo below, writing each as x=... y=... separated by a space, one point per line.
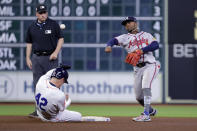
x=114 y=110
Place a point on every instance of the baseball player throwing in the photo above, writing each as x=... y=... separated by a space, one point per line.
x=52 y=103
x=140 y=47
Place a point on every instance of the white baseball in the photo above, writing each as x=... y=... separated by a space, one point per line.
x=62 y=26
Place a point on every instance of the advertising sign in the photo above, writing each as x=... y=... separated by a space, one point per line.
x=92 y=87
x=182 y=34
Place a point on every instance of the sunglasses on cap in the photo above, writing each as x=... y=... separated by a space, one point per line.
x=42 y=12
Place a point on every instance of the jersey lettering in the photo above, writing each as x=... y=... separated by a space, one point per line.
x=138 y=43
x=131 y=42
x=41 y=103
x=37 y=97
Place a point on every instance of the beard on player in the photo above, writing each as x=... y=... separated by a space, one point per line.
x=131 y=28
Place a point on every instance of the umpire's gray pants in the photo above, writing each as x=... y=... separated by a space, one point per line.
x=41 y=65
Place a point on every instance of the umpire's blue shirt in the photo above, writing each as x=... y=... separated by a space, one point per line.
x=44 y=36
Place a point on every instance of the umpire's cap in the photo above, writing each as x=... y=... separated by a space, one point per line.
x=128 y=19
x=41 y=8
x=61 y=72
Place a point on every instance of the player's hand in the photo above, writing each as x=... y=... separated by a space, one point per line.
x=139 y=52
x=108 y=49
x=67 y=96
x=53 y=56
x=67 y=101
x=29 y=63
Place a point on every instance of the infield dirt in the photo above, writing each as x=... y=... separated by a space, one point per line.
x=23 y=123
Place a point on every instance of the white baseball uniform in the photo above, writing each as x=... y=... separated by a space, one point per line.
x=51 y=102
x=144 y=76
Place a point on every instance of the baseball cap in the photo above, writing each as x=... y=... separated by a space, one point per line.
x=128 y=19
x=41 y=8
x=60 y=73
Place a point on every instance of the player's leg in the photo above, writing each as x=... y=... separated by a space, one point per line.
x=138 y=87
x=149 y=75
x=147 y=100
x=139 y=93
x=36 y=69
x=37 y=73
x=67 y=115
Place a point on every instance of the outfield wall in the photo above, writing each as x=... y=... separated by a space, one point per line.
x=114 y=87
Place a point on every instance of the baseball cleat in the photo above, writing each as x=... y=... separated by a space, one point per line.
x=142 y=118
x=33 y=115
x=153 y=113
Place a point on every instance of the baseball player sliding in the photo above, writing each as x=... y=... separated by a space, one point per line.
x=140 y=47
x=52 y=103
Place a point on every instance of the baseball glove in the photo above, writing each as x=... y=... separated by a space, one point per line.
x=133 y=57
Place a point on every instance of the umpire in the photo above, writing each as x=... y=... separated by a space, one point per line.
x=44 y=39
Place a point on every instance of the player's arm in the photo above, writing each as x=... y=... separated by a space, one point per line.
x=60 y=36
x=29 y=42
x=54 y=55
x=67 y=101
x=61 y=101
x=110 y=44
x=43 y=78
x=28 y=55
x=46 y=76
x=151 y=47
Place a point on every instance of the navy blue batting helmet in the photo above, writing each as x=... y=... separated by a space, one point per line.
x=128 y=19
x=61 y=72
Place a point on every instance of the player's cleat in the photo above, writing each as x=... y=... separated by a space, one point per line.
x=33 y=115
x=142 y=118
x=153 y=113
